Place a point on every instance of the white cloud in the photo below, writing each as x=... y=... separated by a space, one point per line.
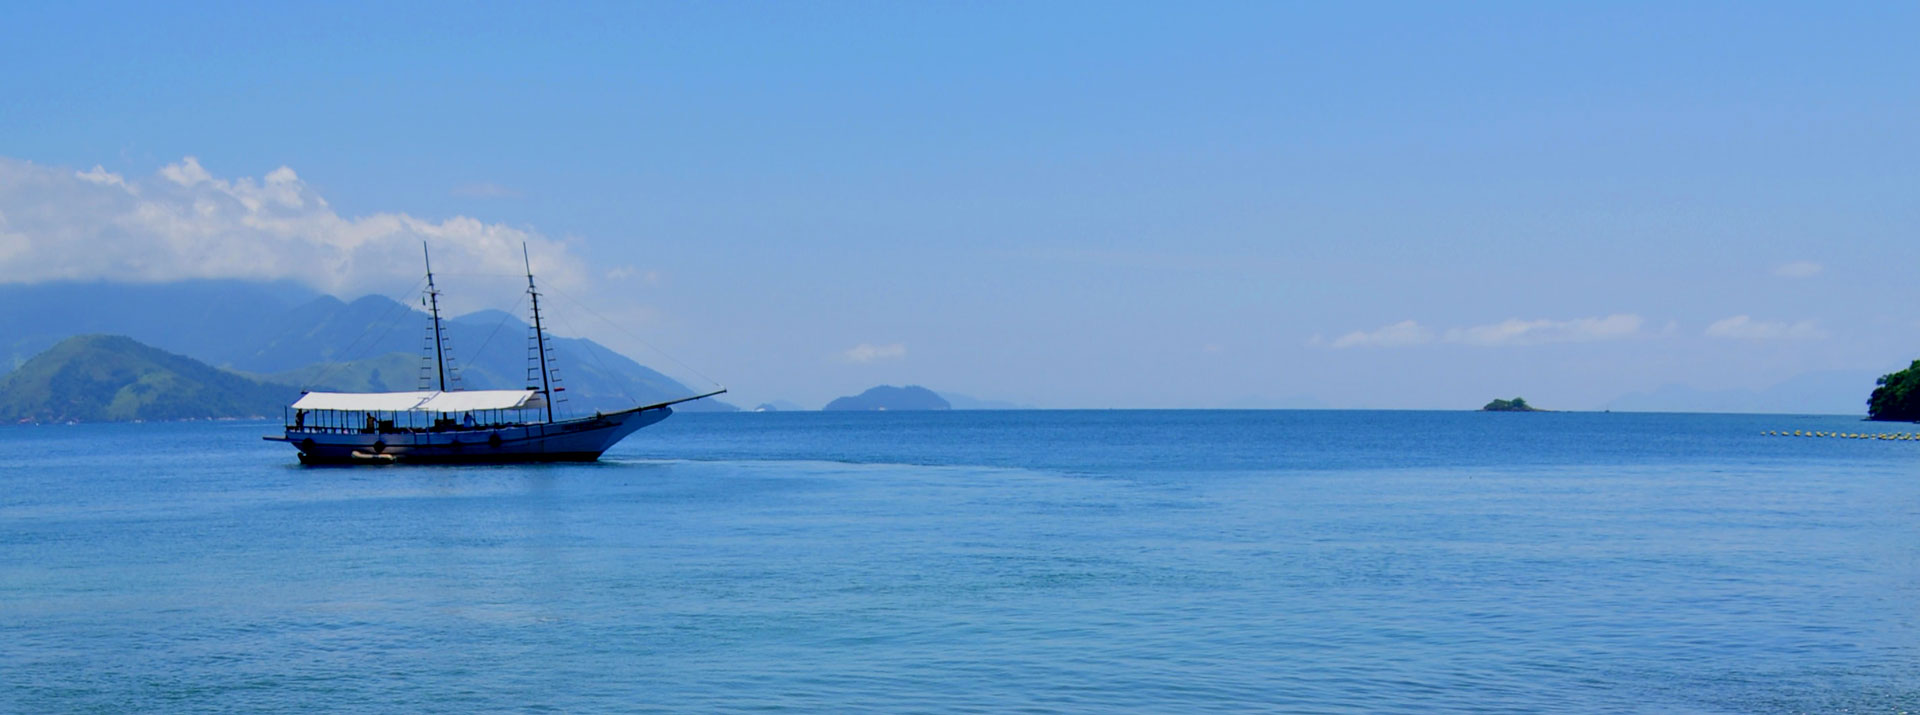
x=101 y=176
x=186 y=173
x=1511 y=332
x=11 y=243
x=1798 y=269
x=1741 y=327
x=185 y=223
x=1401 y=334
x=865 y=352
x=1535 y=332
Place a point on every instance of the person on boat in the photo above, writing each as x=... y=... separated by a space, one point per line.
x=299 y=419
x=469 y=421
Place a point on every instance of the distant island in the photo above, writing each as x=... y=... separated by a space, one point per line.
x=891 y=399
x=1517 y=404
x=1897 y=399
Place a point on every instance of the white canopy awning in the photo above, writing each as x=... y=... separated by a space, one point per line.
x=424 y=401
x=470 y=400
x=362 y=401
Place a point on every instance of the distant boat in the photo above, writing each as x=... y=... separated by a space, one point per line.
x=458 y=426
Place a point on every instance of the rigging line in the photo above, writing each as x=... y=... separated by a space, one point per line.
x=587 y=345
x=637 y=338
x=332 y=365
x=477 y=352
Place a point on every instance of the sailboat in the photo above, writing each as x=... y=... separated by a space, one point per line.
x=458 y=426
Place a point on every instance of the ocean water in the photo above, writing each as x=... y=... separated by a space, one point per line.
x=1181 y=561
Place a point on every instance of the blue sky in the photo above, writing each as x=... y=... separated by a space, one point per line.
x=1063 y=204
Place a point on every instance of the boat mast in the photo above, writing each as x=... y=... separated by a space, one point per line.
x=539 y=334
x=433 y=303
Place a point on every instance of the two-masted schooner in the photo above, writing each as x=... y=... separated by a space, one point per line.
x=458 y=426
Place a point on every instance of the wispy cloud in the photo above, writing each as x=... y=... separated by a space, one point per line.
x=1536 y=332
x=1397 y=335
x=1409 y=333
x=484 y=190
x=866 y=352
x=1798 y=269
x=100 y=175
x=1741 y=327
x=184 y=222
x=621 y=273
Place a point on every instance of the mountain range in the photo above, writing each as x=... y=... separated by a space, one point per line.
x=282 y=332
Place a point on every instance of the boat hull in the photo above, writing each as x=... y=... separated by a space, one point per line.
x=580 y=440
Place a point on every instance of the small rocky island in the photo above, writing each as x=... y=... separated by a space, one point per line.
x=1517 y=404
x=890 y=398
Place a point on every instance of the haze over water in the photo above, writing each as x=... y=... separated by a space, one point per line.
x=978 y=561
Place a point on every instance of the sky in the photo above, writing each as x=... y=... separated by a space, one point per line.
x=1068 y=205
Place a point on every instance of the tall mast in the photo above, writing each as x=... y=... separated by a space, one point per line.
x=539 y=333
x=433 y=302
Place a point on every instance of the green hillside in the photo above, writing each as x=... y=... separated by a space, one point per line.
x=104 y=378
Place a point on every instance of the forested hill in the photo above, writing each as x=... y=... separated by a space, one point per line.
x=100 y=378
x=1897 y=397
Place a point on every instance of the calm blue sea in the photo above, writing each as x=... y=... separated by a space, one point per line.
x=1177 y=561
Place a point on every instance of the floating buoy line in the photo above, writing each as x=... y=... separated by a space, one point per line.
x=1888 y=436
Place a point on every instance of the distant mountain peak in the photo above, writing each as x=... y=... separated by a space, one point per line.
x=490 y=317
